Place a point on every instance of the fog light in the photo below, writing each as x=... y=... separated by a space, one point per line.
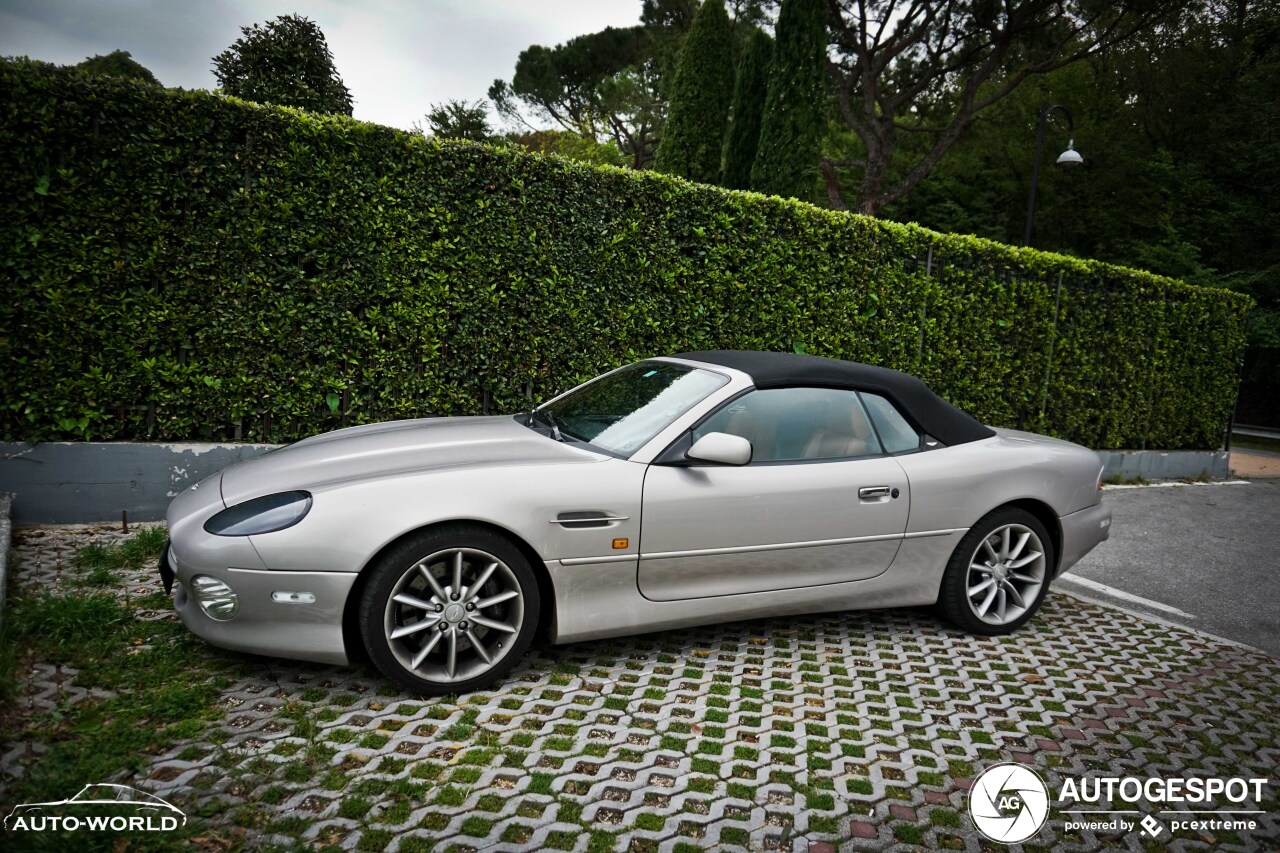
x=216 y=599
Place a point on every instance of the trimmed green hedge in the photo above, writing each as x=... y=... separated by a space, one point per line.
x=182 y=265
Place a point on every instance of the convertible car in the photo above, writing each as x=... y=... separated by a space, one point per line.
x=699 y=488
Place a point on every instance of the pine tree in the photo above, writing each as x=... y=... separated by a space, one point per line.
x=791 y=128
x=694 y=135
x=748 y=107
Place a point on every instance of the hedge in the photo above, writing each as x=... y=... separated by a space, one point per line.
x=180 y=265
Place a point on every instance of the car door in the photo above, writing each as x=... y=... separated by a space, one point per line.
x=819 y=503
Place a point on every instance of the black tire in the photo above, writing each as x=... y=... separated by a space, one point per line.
x=462 y=642
x=1010 y=599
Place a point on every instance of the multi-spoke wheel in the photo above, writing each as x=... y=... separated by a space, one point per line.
x=449 y=611
x=999 y=573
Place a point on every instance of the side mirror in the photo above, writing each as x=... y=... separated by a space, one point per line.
x=721 y=448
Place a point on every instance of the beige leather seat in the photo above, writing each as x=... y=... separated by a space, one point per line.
x=755 y=429
x=846 y=433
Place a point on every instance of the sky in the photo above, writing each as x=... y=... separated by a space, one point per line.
x=396 y=56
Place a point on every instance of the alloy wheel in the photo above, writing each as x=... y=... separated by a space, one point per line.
x=1005 y=574
x=454 y=615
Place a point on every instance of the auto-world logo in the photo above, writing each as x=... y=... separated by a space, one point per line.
x=98 y=808
x=1009 y=803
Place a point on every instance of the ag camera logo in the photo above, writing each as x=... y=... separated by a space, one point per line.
x=1009 y=803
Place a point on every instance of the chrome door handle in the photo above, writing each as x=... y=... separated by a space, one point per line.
x=868 y=492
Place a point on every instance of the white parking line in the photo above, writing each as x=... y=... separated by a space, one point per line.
x=1124 y=596
x=1169 y=484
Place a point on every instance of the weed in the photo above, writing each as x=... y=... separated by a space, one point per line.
x=1118 y=479
x=99 y=565
x=159 y=684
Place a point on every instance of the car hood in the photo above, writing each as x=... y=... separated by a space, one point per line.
x=396 y=448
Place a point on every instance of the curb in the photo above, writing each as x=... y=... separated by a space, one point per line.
x=6 y=534
x=1165 y=464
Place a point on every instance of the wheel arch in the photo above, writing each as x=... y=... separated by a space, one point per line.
x=959 y=564
x=546 y=592
x=1044 y=514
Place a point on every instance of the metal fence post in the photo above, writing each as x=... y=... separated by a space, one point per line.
x=1053 y=339
x=924 y=307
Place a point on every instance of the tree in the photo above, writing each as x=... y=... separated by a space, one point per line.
x=599 y=85
x=1181 y=174
x=285 y=61
x=693 y=139
x=791 y=126
x=571 y=146
x=750 y=90
x=929 y=67
x=665 y=24
x=460 y=120
x=1206 y=91
x=118 y=63
x=562 y=83
x=607 y=85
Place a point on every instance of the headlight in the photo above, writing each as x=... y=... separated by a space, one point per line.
x=261 y=515
x=215 y=598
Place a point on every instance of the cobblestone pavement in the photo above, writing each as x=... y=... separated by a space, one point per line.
x=854 y=732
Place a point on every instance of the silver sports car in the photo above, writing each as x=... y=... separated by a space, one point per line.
x=704 y=487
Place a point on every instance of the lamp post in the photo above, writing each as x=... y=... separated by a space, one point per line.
x=1067 y=158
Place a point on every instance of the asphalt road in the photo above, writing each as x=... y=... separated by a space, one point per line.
x=1205 y=556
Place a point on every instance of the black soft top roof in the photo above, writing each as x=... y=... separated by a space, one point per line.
x=930 y=412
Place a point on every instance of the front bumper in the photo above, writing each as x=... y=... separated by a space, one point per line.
x=1082 y=532
x=295 y=615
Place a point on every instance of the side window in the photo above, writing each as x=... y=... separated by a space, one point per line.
x=895 y=432
x=795 y=424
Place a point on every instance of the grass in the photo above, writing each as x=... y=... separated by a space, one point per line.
x=160 y=684
x=100 y=565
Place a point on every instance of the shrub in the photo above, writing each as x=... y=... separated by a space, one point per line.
x=182 y=265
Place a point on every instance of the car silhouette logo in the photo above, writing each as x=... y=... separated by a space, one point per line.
x=99 y=807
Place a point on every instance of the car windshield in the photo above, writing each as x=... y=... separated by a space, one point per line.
x=623 y=410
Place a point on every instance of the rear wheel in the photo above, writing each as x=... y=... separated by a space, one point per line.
x=999 y=574
x=450 y=610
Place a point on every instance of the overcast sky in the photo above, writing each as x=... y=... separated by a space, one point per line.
x=396 y=56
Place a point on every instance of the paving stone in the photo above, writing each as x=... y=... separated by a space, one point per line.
x=859 y=731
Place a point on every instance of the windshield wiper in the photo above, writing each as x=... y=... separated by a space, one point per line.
x=549 y=416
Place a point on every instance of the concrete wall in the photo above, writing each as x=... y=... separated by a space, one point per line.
x=1166 y=464
x=74 y=482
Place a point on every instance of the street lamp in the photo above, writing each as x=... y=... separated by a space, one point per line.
x=1068 y=158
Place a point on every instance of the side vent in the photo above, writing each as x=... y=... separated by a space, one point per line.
x=586 y=519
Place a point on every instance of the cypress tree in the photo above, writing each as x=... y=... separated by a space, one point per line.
x=693 y=138
x=749 y=93
x=791 y=128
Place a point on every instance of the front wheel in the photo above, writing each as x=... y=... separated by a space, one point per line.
x=449 y=611
x=999 y=574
